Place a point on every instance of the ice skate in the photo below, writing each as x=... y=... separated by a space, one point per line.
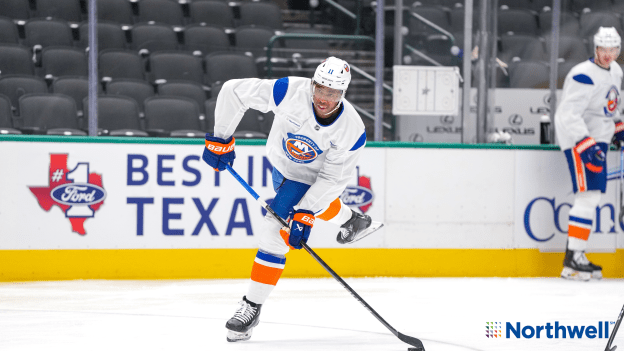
x=245 y=319
x=576 y=266
x=356 y=228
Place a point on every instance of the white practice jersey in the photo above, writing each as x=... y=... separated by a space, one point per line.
x=589 y=103
x=298 y=146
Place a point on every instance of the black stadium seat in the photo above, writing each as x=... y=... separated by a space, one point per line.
x=223 y=66
x=261 y=13
x=120 y=64
x=161 y=11
x=61 y=61
x=518 y=21
x=568 y=23
x=174 y=116
x=171 y=65
x=187 y=89
x=75 y=87
x=68 y=10
x=253 y=39
x=213 y=13
x=525 y=47
x=6 y=117
x=110 y=36
x=591 y=21
x=15 y=59
x=15 y=9
x=8 y=31
x=154 y=37
x=139 y=90
x=119 y=11
x=118 y=116
x=205 y=39
x=51 y=113
x=46 y=33
x=14 y=86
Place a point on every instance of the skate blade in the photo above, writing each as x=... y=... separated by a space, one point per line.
x=366 y=232
x=596 y=275
x=571 y=274
x=233 y=336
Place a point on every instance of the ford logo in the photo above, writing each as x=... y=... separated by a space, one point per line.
x=78 y=194
x=357 y=196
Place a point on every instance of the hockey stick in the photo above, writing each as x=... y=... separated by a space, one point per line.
x=621 y=183
x=405 y=338
x=615 y=329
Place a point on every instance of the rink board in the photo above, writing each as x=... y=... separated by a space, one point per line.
x=448 y=210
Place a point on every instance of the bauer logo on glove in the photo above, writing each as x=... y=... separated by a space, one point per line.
x=219 y=152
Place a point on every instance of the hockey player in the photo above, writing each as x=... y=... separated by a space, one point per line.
x=585 y=126
x=314 y=145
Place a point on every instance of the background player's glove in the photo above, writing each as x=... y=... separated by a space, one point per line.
x=618 y=137
x=592 y=156
x=219 y=152
x=300 y=228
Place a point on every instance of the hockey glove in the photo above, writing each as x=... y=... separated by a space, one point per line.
x=300 y=228
x=618 y=137
x=591 y=154
x=219 y=152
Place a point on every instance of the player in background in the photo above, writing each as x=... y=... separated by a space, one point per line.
x=585 y=126
x=314 y=145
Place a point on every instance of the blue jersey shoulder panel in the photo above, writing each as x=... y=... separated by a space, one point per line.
x=582 y=78
x=279 y=90
x=361 y=141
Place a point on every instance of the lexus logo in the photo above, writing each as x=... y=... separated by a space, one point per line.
x=416 y=138
x=547 y=99
x=447 y=119
x=515 y=120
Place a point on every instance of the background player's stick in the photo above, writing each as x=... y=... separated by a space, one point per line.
x=621 y=183
x=615 y=329
x=405 y=338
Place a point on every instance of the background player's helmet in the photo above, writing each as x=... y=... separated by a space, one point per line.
x=607 y=37
x=333 y=73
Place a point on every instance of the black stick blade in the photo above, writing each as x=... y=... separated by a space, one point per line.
x=412 y=341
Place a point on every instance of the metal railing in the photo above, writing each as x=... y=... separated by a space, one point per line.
x=269 y=65
x=357 y=17
x=269 y=52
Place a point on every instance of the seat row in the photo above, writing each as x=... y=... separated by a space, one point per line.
x=150 y=36
x=518 y=21
x=214 y=12
x=159 y=67
x=577 y=6
x=118 y=115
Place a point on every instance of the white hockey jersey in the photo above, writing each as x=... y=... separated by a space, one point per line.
x=298 y=146
x=589 y=103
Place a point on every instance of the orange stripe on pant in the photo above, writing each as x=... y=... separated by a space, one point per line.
x=265 y=275
x=580 y=172
x=331 y=211
x=578 y=232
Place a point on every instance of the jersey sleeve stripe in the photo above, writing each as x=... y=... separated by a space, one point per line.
x=361 y=142
x=582 y=78
x=279 y=90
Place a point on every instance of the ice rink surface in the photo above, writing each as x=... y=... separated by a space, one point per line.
x=447 y=314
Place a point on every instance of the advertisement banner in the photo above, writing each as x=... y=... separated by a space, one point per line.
x=142 y=196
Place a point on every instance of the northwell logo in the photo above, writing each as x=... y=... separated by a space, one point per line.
x=548 y=331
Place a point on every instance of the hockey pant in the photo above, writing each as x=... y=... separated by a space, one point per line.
x=270 y=259
x=587 y=187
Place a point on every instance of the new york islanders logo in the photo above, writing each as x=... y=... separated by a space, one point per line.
x=360 y=195
x=300 y=148
x=612 y=97
x=78 y=193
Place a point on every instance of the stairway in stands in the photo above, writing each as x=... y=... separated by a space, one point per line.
x=361 y=91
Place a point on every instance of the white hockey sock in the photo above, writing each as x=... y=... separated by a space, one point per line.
x=337 y=213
